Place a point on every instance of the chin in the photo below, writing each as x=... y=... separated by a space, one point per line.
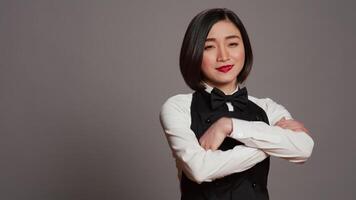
x=222 y=79
x=224 y=82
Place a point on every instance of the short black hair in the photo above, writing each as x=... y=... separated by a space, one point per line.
x=192 y=49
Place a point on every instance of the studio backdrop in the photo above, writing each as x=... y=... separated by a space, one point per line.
x=82 y=84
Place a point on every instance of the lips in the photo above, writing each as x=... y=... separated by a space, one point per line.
x=224 y=68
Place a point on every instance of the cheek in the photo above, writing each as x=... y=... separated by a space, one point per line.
x=240 y=55
x=207 y=61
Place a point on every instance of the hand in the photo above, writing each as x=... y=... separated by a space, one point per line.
x=291 y=124
x=216 y=133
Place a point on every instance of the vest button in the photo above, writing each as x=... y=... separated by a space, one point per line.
x=254 y=185
x=208 y=121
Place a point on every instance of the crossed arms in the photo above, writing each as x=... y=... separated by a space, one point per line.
x=202 y=162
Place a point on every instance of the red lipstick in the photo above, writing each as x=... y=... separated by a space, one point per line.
x=224 y=68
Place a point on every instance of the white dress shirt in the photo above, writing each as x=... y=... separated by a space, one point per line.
x=260 y=140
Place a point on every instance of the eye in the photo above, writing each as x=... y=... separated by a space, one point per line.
x=208 y=47
x=234 y=44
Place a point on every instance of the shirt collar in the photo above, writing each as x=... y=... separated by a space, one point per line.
x=209 y=88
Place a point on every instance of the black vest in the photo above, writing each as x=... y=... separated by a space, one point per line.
x=247 y=185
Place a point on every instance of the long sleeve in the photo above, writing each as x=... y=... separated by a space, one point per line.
x=201 y=165
x=273 y=140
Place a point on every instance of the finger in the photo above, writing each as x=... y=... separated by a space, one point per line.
x=279 y=123
x=213 y=148
x=283 y=125
x=292 y=124
x=300 y=125
x=206 y=147
x=281 y=120
x=306 y=130
x=301 y=130
x=294 y=127
x=202 y=143
x=297 y=130
x=297 y=122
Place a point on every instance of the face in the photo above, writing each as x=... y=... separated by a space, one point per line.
x=223 y=56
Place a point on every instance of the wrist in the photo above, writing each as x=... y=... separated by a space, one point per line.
x=228 y=126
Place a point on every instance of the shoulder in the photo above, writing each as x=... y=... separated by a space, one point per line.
x=274 y=110
x=264 y=103
x=179 y=102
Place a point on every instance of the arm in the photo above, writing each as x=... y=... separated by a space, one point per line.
x=274 y=140
x=199 y=164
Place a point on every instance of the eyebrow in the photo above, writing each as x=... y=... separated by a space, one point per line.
x=227 y=37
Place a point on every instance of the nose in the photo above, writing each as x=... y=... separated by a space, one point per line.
x=223 y=54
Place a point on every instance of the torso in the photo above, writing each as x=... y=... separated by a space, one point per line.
x=255 y=178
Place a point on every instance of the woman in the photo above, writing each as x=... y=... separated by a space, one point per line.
x=222 y=138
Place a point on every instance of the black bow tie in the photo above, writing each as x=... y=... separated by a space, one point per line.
x=239 y=99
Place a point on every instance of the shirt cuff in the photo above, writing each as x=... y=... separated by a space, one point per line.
x=241 y=129
x=252 y=132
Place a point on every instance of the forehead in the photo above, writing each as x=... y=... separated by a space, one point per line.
x=222 y=29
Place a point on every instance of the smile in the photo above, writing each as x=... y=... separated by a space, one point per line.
x=224 y=68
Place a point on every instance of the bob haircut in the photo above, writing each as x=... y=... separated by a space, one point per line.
x=192 y=49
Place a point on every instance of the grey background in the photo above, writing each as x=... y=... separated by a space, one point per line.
x=82 y=83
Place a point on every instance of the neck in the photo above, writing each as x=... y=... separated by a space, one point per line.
x=226 y=88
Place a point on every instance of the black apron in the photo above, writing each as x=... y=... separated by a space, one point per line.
x=247 y=185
